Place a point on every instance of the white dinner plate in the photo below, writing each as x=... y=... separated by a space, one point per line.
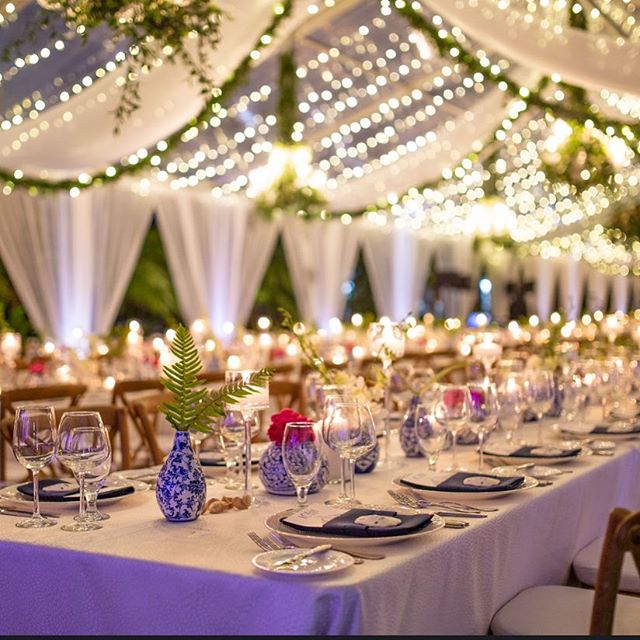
x=613 y=437
x=320 y=564
x=528 y=483
x=11 y=493
x=309 y=539
x=539 y=472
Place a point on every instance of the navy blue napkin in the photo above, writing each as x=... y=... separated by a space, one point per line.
x=214 y=459
x=526 y=452
x=603 y=428
x=345 y=525
x=72 y=494
x=456 y=483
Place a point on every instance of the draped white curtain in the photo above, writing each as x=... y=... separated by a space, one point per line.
x=598 y=289
x=572 y=280
x=217 y=252
x=456 y=255
x=397 y=260
x=589 y=60
x=544 y=274
x=620 y=293
x=321 y=256
x=71 y=259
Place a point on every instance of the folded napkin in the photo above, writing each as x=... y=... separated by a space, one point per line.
x=531 y=451
x=462 y=481
x=359 y=523
x=53 y=490
x=613 y=429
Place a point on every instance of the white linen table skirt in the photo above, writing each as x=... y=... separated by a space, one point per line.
x=143 y=575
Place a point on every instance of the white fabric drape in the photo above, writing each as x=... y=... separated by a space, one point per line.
x=598 y=289
x=581 y=58
x=321 y=256
x=455 y=255
x=620 y=296
x=70 y=259
x=397 y=260
x=572 y=278
x=544 y=274
x=217 y=252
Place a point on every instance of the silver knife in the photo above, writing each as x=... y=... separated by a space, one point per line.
x=20 y=513
x=302 y=555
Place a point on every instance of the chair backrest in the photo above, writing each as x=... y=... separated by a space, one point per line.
x=288 y=394
x=115 y=420
x=125 y=387
x=13 y=397
x=145 y=410
x=623 y=535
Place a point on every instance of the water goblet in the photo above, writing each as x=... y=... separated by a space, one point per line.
x=301 y=456
x=511 y=405
x=329 y=394
x=34 y=445
x=451 y=410
x=94 y=480
x=82 y=446
x=432 y=436
x=573 y=395
x=483 y=412
x=231 y=437
x=350 y=431
x=540 y=391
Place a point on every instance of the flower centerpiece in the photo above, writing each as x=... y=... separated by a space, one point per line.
x=181 y=487
x=271 y=468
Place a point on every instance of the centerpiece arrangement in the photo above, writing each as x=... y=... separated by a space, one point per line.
x=181 y=486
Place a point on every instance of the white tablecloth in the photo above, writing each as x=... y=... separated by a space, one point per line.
x=143 y=575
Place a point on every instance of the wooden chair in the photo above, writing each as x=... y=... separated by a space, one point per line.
x=146 y=412
x=122 y=394
x=290 y=394
x=560 y=610
x=12 y=398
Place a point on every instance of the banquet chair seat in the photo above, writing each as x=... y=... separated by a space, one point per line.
x=585 y=566
x=562 y=610
x=286 y=393
x=146 y=411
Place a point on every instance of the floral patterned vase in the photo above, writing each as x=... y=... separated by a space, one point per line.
x=181 y=488
x=274 y=476
x=367 y=463
x=408 y=439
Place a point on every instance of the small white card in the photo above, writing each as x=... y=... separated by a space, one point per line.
x=502 y=449
x=314 y=516
x=428 y=478
x=481 y=481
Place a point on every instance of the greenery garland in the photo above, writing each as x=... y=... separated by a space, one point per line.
x=164 y=147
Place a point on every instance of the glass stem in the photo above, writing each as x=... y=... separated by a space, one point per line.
x=539 y=430
x=352 y=478
x=247 y=456
x=453 y=450
x=302 y=495
x=343 y=477
x=432 y=459
x=36 y=493
x=91 y=497
x=196 y=450
x=481 y=448
x=82 y=496
x=387 y=414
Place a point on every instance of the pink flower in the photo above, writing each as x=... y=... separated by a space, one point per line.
x=453 y=398
x=280 y=420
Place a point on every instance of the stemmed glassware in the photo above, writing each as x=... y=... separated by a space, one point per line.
x=451 y=410
x=572 y=394
x=349 y=430
x=82 y=445
x=387 y=343
x=511 y=404
x=483 y=412
x=301 y=456
x=248 y=407
x=34 y=445
x=94 y=480
x=231 y=435
x=539 y=388
x=432 y=436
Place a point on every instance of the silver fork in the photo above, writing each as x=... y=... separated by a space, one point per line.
x=275 y=539
x=408 y=501
x=455 y=506
x=261 y=542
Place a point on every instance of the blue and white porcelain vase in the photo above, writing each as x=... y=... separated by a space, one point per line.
x=367 y=463
x=408 y=439
x=181 y=488
x=275 y=478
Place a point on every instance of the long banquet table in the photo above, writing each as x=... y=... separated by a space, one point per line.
x=143 y=575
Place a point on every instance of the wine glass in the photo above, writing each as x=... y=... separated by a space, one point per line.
x=511 y=404
x=539 y=389
x=432 y=436
x=483 y=412
x=350 y=431
x=387 y=343
x=94 y=480
x=34 y=446
x=329 y=394
x=232 y=435
x=451 y=410
x=301 y=456
x=82 y=446
x=573 y=395
x=248 y=406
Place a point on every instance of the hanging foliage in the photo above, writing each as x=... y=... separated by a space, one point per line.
x=188 y=30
